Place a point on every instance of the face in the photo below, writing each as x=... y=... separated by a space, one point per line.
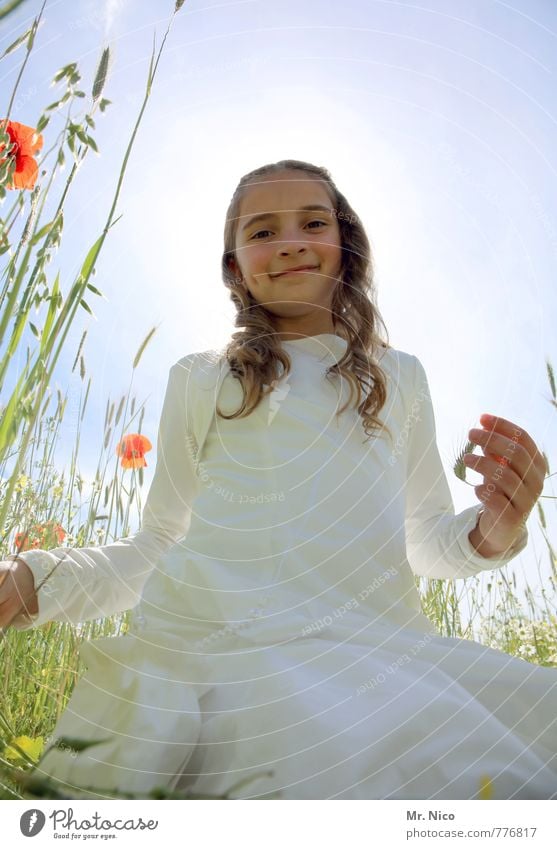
x=286 y=237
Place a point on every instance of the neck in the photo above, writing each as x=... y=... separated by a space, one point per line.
x=287 y=330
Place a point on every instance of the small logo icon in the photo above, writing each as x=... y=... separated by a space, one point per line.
x=32 y=822
x=277 y=394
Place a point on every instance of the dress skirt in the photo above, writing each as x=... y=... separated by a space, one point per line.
x=397 y=714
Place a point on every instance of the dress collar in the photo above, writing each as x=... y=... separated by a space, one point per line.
x=328 y=347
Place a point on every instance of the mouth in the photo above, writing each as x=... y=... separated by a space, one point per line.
x=301 y=270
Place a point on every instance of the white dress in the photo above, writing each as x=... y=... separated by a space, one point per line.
x=279 y=633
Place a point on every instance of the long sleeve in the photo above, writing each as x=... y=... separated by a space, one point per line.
x=98 y=581
x=437 y=541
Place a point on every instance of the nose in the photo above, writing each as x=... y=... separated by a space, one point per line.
x=292 y=246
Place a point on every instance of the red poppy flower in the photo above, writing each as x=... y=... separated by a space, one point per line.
x=132 y=450
x=40 y=536
x=27 y=144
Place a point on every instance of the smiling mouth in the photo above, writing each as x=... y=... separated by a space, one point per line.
x=299 y=271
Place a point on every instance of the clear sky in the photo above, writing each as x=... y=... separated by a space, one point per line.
x=437 y=121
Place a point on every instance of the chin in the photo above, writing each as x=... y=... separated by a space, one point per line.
x=284 y=310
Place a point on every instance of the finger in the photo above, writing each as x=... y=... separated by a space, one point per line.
x=508 y=452
x=518 y=434
x=20 y=619
x=4 y=592
x=22 y=600
x=8 y=610
x=505 y=482
x=12 y=600
x=498 y=501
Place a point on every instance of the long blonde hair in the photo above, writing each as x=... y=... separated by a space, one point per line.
x=254 y=354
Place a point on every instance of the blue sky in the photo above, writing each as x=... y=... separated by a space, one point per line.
x=438 y=123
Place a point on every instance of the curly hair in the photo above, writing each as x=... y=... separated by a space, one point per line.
x=254 y=353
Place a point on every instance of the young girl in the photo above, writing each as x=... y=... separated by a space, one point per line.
x=279 y=635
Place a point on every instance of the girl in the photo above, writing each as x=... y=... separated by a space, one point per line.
x=278 y=644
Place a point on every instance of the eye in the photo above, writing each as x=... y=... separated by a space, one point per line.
x=324 y=223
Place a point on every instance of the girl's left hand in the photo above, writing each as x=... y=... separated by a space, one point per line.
x=514 y=470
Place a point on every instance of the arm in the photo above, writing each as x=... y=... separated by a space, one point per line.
x=88 y=583
x=437 y=540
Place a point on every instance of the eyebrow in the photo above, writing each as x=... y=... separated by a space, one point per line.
x=266 y=215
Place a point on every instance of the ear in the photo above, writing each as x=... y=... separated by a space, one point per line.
x=233 y=266
x=235 y=269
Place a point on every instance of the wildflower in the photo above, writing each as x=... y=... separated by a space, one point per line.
x=40 y=536
x=132 y=450
x=32 y=746
x=486 y=787
x=27 y=144
x=22 y=482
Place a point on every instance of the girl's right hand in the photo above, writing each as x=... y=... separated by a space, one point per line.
x=17 y=592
